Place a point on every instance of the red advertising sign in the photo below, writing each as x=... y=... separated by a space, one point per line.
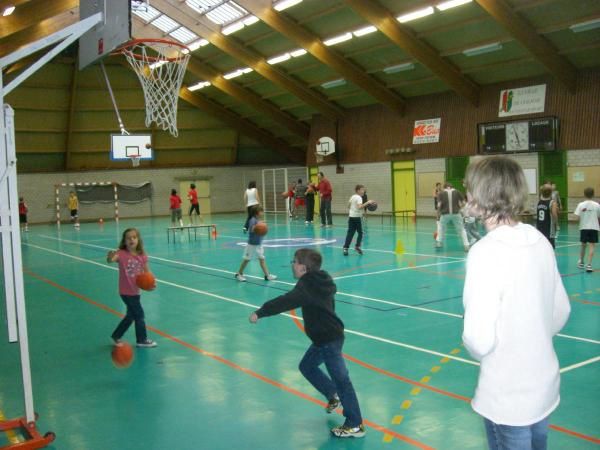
x=426 y=131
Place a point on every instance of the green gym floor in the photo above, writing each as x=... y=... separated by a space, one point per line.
x=217 y=382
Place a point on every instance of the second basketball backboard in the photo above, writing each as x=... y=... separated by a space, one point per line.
x=112 y=31
x=126 y=146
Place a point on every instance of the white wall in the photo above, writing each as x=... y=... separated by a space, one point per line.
x=227 y=185
x=376 y=177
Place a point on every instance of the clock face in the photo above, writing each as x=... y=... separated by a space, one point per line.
x=517 y=136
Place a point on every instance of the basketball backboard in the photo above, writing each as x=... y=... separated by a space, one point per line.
x=124 y=146
x=112 y=31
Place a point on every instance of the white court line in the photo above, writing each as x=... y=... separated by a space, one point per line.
x=372 y=299
x=239 y=302
x=581 y=364
x=349 y=331
x=400 y=269
x=360 y=297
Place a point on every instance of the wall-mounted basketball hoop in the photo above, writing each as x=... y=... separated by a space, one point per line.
x=325 y=146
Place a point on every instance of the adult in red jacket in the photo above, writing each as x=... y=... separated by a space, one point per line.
x=325 y=191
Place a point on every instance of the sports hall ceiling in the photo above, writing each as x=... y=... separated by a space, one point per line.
x=283 y=65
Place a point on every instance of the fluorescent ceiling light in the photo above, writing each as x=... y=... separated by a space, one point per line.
x=285 y=4
x=483 y=49
x=452 y=4
x=196 y=45
x=399 y=68
x=250 y=20
x=233 y=28
x=585 y=26
x=278 y=59
x=333 y=83
x=247 y=70
x=415 y=14
x=298 y=52
x=156 y=65
x=338 y=39
x=366 y=30
x=8 y=11
x=230 y=75
x=200 y=85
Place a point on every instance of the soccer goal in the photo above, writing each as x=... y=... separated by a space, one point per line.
x=275 y=183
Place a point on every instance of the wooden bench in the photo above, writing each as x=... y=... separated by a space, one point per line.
x=210 y=228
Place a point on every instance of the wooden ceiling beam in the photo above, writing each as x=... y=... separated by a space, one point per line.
x=311 y=43
x=209 y=31
x=33 y=12
x=526 y=35
x=6 y=3
x=38 y=31
x=405 y=38
x=239 y=93
x=243 y=126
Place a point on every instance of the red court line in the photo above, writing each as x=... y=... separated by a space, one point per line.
x=437 y=390
x=231 y=364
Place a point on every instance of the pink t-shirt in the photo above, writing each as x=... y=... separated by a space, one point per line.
x=130 y=266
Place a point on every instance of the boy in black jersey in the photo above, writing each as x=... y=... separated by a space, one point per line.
x=314 y=293
x=547 y=214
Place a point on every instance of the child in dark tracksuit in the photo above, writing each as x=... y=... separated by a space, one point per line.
x=314 y=293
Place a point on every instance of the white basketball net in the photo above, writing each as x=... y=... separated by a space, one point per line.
x=160 y=67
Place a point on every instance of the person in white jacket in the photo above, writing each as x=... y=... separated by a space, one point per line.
x=515 y=302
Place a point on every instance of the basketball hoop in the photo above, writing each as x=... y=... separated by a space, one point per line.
x=135 y=160
x=160 y=65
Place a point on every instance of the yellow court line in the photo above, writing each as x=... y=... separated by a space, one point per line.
x=397 y=420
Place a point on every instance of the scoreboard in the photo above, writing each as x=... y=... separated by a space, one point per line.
x=531 y=135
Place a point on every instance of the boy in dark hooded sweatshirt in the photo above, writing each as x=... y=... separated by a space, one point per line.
x=314 y=293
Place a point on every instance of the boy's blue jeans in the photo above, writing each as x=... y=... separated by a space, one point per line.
x=330 y=354
x=530 y=437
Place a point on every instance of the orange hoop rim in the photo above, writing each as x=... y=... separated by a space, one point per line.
x=127 y=49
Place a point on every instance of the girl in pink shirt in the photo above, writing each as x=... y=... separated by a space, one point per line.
x=132 y=261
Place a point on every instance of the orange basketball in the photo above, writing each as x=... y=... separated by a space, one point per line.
x=260 y=229
x=146 y=281
x=122 y=355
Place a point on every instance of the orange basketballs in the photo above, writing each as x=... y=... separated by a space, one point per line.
x=260 y=229
x=122 y=355
x=146 y=281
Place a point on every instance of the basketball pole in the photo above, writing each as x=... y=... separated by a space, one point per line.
x=9 y=219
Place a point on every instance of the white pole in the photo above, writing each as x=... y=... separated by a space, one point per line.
x=17 y=263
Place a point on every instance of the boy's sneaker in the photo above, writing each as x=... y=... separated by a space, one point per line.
x=333 y=404
x=117 y=342
x=345 y=252
x=240 y=277
x=580 y=264
x=147 y=343
x=588 y=268
x=344 y=431
x=270 y=277
x=358 y=250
